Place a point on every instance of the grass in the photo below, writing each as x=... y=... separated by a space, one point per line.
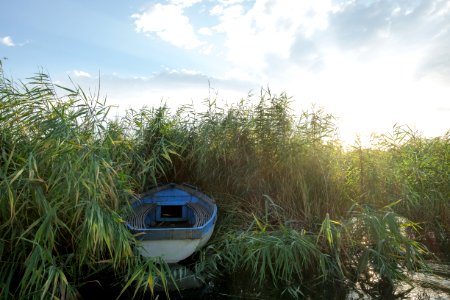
x=62 y=194
x=295 y=207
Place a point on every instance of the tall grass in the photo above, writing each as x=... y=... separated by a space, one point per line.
x=421 y=171
x=249 y=150
x=295 y=207
x=371 y=247
x=63 y=191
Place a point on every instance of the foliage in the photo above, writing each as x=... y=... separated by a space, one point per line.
x=286 y=188
x=372 y=247
x=62 y=193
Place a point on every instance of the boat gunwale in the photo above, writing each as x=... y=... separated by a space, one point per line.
x=198 y=229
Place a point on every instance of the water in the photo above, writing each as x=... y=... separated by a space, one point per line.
x=423 y=286
x=433 y=286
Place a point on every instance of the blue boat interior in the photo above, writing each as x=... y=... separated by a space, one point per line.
x=172 y=208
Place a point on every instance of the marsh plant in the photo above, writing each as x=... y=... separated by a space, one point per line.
x=64 y=187
x=287 y=192
x=368 y=247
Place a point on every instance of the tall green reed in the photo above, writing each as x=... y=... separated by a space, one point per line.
x=67 y=172
x=62 y=192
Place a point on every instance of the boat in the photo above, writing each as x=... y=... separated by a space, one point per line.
x=172 y=221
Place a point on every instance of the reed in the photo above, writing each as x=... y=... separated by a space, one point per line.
x=371 y=247
x=62 y=194
x=288 y=192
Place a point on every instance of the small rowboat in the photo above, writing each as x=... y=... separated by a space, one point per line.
x=172 y=221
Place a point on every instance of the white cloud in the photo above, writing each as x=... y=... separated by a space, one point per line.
x=369 y=96
x=205 y=31
x=177 y=87
x=169 y=23
x=185 y=71
x=372 y=64
x=251 y=35
x=207 y=50
x=230 y=2
x=7 y=41
x=79 y=73
x=185 y=3
x=268 y=28
x=217 y=10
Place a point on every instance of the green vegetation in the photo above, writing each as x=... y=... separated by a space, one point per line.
x=295 y=207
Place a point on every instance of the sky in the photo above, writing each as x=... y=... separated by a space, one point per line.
x=370 y=63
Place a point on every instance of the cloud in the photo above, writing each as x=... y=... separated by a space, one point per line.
x=357 y=23
x=177 y=87
x=205 y=31
x=207 y=50
x=79 y=73
x=167 y=80
x=230 y=2
x=7 y=41
x=419 y=29
x=371 y=63
x=359 y=59
x=264 y=38
x=261 y=38
x=185 y=3
x=169 y=22
x=251 y=32
x=436 y=65
x=268 y=29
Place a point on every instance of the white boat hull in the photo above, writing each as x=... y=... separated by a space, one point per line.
x=173 y=251
x=172 y=222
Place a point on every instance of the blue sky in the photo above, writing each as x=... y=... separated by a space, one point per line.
x=371 y=63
